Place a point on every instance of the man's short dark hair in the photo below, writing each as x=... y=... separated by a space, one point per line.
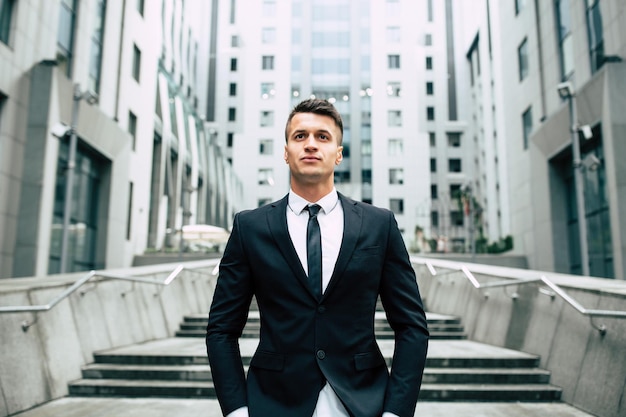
x=317 y=106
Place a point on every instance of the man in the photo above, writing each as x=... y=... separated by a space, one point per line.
x=317 y=355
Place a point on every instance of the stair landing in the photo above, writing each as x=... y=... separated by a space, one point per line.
x=158 y=407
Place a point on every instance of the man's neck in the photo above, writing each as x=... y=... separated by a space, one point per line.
x=312 y=193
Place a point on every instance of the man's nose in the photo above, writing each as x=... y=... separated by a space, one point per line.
x=310 y=142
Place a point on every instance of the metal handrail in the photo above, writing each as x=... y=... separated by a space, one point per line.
x=94 y=274
x=557 y=290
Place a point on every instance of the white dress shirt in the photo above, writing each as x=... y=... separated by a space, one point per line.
x=330 y=219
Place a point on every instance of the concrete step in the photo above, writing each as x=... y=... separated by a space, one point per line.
x=207 y=407
x=380 y=334
x=457 y=370
x=489 y=392
x=441 y=327
x=205 y=389
x=431 y=375
x=174 y=358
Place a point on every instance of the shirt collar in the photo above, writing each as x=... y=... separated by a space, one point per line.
x=328 y=202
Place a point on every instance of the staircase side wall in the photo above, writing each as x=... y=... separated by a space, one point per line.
x=588 y=366
x=37 y=364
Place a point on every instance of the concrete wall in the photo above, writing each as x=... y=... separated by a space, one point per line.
x=587 y=365
x=36 y=365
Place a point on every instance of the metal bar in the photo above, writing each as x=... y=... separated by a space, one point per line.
x=556 y=290
x=67 y=292
x=55 y=301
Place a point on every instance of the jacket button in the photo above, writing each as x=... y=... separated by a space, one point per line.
x=321 y=309
x=321 y=354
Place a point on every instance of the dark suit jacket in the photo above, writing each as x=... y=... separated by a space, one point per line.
x=306 y=341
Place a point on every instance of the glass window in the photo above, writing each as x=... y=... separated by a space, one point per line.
x=429 y=6
x=395 y=147
x=234 y=41
x=267 y=118
x=394 y=89
x=132 y=127
x=83 y=232
x=6 y=18
x=455 y=190
x=454 y=139
x=428 y=39
x=430 y=88
x=233 y=89
x=393 y=61
x=456 y=218
x=233 y=64
x=396 y=176
x=366 y=176
x=65 y=36
x=269 y=8
x=330 y=66
x=129 y=219
x=136 y=63
x=268 y=35
x=433 y=165
x=396 y=205
x=393 y=34
x=229 y=139
x=267 y=90
x=429 y=62
x=266 y=176
x=366 y=147
x=394 y=118
x=432 y=138
x=393 y=8
x=454 y=165
x=140 y=6
x=527 y=125
x=596 y=35
x=430 y=113
x=434 y=218
x=519 y=5
x=522 y=56
x=564 y=29
x=267 y=62
x=232 y=114
x=95 y=61
x=433 y=191
x=266 y=146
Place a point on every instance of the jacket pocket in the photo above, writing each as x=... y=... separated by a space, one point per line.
x=368 y=252
x=268 y=360
x=368 y=360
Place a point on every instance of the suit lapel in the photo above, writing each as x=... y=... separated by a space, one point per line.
x=277 y=223
x=352 y=218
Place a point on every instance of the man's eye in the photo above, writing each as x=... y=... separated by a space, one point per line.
x=323 y=137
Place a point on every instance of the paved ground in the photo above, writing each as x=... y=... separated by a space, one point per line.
x=123 y=407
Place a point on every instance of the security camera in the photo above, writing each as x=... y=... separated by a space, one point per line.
x=592 y=162
x=565 y=89
x=60 y=130
x=587 y=133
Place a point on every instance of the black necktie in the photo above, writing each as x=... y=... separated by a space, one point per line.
x=314 y=249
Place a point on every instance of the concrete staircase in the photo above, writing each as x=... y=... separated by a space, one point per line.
x=456 y=370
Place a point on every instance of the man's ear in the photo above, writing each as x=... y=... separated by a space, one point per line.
x=339 y=155
x=285 y=155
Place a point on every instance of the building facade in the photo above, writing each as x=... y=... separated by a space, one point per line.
x=117 y=91
x=389 y=68
x=528 y=51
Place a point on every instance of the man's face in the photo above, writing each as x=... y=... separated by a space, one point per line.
x=312 y=148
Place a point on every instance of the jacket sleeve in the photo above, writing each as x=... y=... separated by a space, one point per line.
x=227 y=318
x=402 y=302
